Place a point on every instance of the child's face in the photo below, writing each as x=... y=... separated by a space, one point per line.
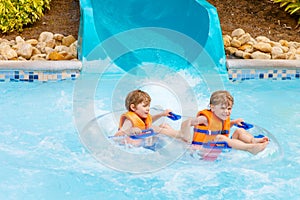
x=142 y=109
x=222 y=111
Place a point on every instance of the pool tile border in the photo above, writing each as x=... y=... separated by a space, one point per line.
x=240 y=69
x=39 y=71
x=51 y=71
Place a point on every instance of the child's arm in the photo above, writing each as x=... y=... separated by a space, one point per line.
x=162 y=114
x=199 y=120
x=127 y=129
x=187 y=124
x=237 y=121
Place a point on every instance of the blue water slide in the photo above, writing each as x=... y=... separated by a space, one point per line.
x=102 y=19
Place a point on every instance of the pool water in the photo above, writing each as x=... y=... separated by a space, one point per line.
x=42 y=155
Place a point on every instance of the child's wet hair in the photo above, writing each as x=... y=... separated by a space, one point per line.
x=221 y=97
x=136 y=97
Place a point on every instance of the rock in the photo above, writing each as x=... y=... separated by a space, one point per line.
x=276 y=51
x=20 y=58
x=58 y=37
x=67 y=41
x=230 y=50
x=73 y=49
x=2 y=57
x=35 y=51
x=246 y=55
x=50 y=43
x=41 y=46
x=48 y=50
x=59 y=56
x=237 y=32
x=33 y=42
x=260 y=55
x=285 y=49
x=246 y=47
x=54 y=55
x=239 y=53
x=61 y=48
x=7 y=52
x=280 y=56
x=227 y=40
x=262 y=39
x=284 y=43
x=19 y=40
x=24 y=50
x=45 y=36
x=264 y=47
x=38 y=57
x=235 y=43
x=244 y=38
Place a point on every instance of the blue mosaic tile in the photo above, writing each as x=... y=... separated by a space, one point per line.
x=31 y=76
x=261 y=76
x=275 y=74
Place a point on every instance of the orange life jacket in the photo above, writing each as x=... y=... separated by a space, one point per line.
x=204 y=134
x=136 y=120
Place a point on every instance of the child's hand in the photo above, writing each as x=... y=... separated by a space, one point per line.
x=135 y=131
x=194 y=121
x=166 y=112
x=238 y=121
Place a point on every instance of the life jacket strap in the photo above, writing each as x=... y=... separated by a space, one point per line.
x=209 y=132
x=215 y=145
x=197 y=143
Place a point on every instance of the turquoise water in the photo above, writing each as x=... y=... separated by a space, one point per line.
x=42 y=155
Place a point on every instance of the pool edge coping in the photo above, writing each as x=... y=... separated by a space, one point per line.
x=77 y=64
x=262 y=64
x=41 y=65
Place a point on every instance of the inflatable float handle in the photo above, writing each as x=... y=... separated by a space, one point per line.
x=145 y=133
x=245 y=125
x=216 y=145
x=172 y=115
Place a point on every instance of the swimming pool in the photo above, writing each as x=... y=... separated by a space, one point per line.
x=42 y=156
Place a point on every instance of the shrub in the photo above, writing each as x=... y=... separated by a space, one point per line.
x=291 y=6
x=15 y=14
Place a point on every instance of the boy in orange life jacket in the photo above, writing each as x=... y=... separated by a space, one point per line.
x=217 y=120
x=138 y=117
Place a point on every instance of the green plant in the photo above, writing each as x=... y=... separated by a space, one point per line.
x=15 y=14
x=291 y=6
